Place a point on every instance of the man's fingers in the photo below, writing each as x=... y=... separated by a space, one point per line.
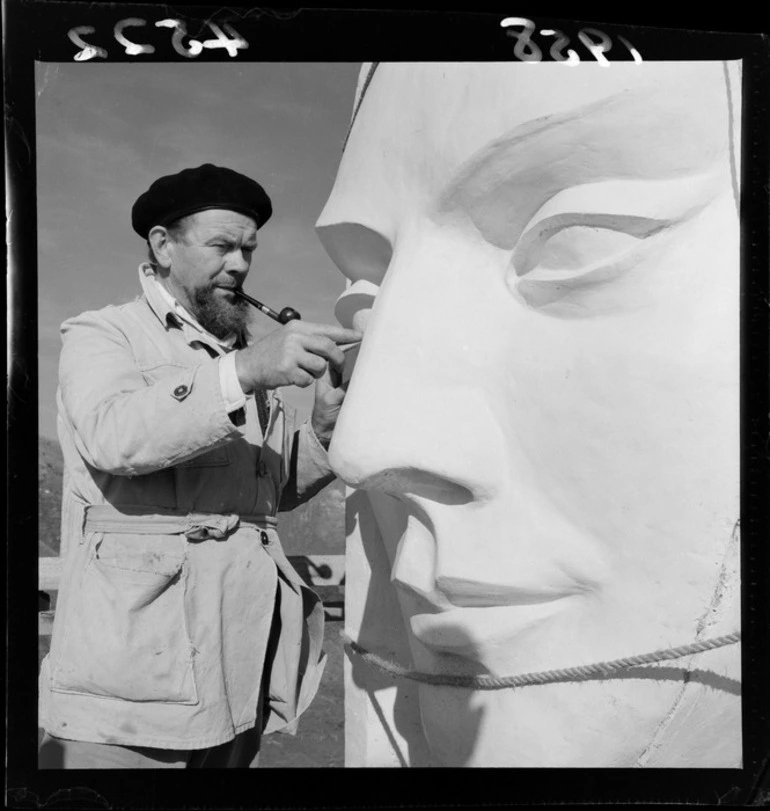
x=312 y=363
x=302 y=378
x=340 y=335
x=326 y=348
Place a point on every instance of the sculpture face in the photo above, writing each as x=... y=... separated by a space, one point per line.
x=547 y=392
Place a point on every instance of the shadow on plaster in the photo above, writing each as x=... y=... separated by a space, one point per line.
x=407 y=737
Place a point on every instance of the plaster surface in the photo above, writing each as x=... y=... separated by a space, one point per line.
x=540 y=434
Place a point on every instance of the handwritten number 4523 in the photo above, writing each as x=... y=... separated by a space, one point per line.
x=227 y=39
x=596 y=41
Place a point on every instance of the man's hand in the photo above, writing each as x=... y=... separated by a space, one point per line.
x=329 y=395
x=294 y=355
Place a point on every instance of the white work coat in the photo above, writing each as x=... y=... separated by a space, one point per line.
x=176 y=594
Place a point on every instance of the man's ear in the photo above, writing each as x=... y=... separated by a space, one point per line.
x=160 y=241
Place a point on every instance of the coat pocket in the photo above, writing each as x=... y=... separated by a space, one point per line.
x=216 y=458
x=125 y=635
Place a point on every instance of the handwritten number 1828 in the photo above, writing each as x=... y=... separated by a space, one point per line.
x=225 y=37
x=596 y=41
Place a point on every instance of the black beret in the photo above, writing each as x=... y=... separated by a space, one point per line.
x=191 y=190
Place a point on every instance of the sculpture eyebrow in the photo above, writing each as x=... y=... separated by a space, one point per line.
x=525 y=135
x=505 y=183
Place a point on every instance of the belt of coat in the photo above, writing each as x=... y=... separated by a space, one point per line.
x=193 y=525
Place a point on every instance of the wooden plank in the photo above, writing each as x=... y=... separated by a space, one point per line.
x=330 y=594
x=45 y=623
x=49 y=573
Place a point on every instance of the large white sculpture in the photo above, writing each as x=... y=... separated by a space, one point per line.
x=541 y=428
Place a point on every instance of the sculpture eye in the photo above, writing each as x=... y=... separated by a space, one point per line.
x=568 y=247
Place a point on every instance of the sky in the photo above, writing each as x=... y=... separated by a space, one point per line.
x=105 y=132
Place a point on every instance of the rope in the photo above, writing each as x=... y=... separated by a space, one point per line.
x=486 y=682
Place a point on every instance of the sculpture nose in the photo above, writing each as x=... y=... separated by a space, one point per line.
x=416 y=415
x=398 y=436
x=354 y=306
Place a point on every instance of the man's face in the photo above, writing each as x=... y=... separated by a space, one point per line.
x=547 y=389
x=210 y=257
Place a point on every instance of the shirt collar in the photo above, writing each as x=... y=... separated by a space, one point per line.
x=168 y=309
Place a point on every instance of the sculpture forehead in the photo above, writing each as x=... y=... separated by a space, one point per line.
x=419 y=123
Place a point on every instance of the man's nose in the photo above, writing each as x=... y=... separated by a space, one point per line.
x=238 y=261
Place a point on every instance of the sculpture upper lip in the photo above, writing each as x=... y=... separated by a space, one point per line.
x=462 y=592
x=479 y=582
x=451 y=593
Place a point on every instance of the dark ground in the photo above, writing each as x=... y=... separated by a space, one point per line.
x=315 y=528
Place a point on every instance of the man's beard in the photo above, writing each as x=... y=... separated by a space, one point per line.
x=220 y=317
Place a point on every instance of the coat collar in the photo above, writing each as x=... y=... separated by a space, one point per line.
x=174 y=316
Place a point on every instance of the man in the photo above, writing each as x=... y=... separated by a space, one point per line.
x=182 y=632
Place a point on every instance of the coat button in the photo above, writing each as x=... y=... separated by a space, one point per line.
x=262 y=469
x=180 y=392
x=264 y=537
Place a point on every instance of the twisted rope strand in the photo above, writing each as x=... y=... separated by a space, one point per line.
x=486 y=682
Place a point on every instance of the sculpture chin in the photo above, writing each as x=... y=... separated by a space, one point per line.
x=631 y=720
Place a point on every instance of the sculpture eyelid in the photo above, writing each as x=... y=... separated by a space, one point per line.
x=525 y=257
x=621 y=205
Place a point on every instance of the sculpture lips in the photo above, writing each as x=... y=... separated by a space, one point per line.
x=471 y=618
x=452 y=595
x=476 y=632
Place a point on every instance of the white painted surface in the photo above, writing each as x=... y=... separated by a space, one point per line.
x=544 y=409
